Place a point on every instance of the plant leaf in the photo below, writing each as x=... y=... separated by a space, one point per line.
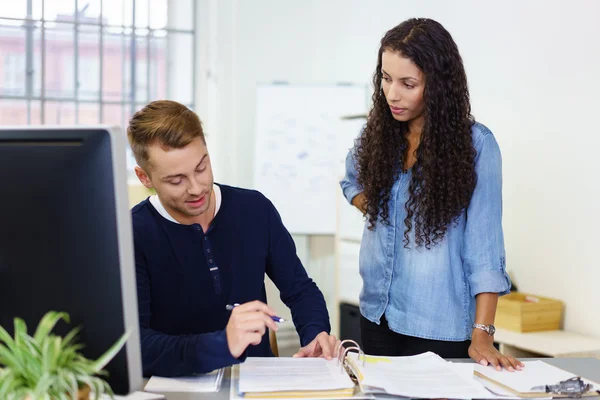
x=20 y=332
x=6 y=338
x=104 y=359
x=47 y=324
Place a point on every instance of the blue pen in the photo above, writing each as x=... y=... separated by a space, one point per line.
x=230 y=307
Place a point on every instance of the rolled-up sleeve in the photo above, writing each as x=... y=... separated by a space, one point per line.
x=349 y=183
x=483 y=252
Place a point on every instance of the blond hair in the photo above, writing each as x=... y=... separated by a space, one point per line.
x=166 y=122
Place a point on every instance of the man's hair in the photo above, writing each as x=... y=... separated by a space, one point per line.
x=166 y=122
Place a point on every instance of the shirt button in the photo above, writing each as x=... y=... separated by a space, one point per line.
x=208 y=251
x=210 y=260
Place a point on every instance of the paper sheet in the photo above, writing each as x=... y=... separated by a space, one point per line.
x=234 y=393
x=198 y=383
x=465 y=370
x=269 y=374
x=426 y=376
x=535 y=373
x=135 y=396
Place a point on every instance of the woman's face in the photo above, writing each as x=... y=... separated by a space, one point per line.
x=403 y=84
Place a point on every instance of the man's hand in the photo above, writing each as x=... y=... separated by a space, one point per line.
x=247 y=325
x=483 y=352
x=323 y=346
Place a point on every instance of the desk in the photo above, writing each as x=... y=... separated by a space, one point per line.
x=586 y=367
x=547 y=344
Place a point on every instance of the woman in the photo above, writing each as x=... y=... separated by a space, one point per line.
x=429 y=180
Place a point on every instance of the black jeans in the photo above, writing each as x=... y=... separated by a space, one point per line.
x=380 y=340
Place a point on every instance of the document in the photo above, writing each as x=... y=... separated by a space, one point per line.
x=309 y=377
x=210 y=382
x=534 y=375
x=424 y=376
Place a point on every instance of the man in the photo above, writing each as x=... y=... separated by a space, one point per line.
x=200 y=246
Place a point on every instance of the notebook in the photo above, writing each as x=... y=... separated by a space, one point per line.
x=210 y=382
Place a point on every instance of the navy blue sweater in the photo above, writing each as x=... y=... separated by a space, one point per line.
x=185 y=277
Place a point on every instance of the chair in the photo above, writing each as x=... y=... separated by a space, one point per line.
x=273 y=342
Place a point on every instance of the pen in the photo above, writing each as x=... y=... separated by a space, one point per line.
x=230 y=307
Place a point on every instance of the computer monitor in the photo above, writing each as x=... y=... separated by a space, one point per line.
x=66 y=241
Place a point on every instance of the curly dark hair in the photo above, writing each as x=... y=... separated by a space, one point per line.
x=443 y=177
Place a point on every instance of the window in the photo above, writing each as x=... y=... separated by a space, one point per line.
x=93 y=61
x=14 y=73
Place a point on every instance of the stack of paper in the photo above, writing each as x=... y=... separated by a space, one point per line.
x=425 y=375
x=293 y=377
x=133 y=396
x=198 y=383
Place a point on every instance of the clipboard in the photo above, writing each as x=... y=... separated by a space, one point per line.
x=538 y=393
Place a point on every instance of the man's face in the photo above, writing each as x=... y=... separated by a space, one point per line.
x=182 y=178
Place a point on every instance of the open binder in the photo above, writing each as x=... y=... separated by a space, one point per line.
x=355 y=374
x=352 y=374
x=268 y=378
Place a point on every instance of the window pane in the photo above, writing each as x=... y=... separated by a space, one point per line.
x=89 y=63
x=60 y=61
x=60 y=113
x=13 y=9
x=158 y=65
x=89 y=11
x=89 y=114
x=180 y=14
x=13 y=112
x=36 y=112
x=12 y=60
x=59 y=10
x=141 y=14
x=37 y=9
x=180 y=48
x=141 y=69
x=118 y=12
x=116 y=51
x=112 y=114
x=158 y=14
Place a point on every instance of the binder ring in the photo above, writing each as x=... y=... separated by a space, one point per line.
x=346 y=350
x=338 y=349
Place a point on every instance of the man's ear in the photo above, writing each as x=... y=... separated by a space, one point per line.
x=143 y=177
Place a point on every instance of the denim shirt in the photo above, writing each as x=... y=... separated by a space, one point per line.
x=431 y=293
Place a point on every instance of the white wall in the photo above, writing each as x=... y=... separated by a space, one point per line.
x=532 y=67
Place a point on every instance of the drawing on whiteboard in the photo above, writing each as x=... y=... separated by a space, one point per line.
x=296 y=160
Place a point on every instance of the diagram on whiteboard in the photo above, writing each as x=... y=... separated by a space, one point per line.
x=297 y=132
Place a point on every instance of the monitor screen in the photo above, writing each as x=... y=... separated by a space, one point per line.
x=66 y=242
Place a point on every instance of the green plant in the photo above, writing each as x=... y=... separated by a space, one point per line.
x=49 y=367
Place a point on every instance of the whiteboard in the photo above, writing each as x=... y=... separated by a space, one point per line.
x=297 y=150
x=351 y=221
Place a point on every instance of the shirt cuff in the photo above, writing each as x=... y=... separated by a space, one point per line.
x=350 y=193
x=489 y=281
x=310 y=333
x=221 y=347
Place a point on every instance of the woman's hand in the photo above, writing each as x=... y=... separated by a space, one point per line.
x=482 y=350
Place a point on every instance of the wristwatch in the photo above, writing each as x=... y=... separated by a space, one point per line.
x=490 y=329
